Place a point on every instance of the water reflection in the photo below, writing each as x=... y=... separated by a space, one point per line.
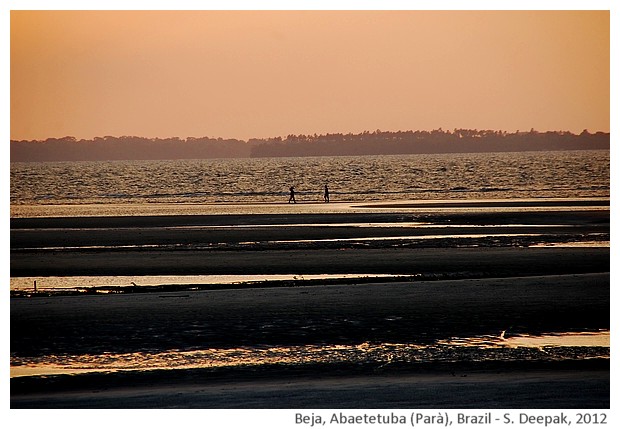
x=76 y=282
x=566 y=339
x=554 y=346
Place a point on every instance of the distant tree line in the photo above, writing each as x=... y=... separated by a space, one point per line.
x=436 y=141
x=366 y=143
x=127 y=148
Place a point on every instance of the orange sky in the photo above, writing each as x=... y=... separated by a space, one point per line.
x=243 y=74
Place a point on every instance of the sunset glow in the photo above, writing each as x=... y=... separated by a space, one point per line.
x=244 y=74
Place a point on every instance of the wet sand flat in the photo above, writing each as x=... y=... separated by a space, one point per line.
x=417 y=312
x=270 y=317
x=466 y=261
x=495 y=243
x=459 y=287
x=523 y=389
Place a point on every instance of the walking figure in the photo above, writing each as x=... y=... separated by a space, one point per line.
x=326 y=195
x=292 y=197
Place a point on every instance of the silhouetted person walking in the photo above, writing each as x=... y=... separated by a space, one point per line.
x=326 y=194
x=292 y=197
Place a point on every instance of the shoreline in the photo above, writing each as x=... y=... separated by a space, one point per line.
x=18 y=211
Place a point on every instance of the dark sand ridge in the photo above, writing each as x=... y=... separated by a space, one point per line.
x=474 y=262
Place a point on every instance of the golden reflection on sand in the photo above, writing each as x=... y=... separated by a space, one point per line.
x=382 y=354
x=409 y=206
x=567 y=339
x=76 y=282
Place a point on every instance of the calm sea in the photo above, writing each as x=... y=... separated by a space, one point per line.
x=359 y=178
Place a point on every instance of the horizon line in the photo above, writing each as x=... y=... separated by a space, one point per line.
x=377 y=131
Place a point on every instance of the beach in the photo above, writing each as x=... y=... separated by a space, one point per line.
x=454 y=285
x=397 y=209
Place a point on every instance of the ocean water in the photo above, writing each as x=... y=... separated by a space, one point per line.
x=571 y=174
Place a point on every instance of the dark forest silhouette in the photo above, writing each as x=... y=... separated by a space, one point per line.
x=366 y=143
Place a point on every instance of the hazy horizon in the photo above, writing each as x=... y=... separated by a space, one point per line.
x=310 y=135
x=261 y=74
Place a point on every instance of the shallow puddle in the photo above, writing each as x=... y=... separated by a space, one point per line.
x=76 y=282
x=566 y=339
